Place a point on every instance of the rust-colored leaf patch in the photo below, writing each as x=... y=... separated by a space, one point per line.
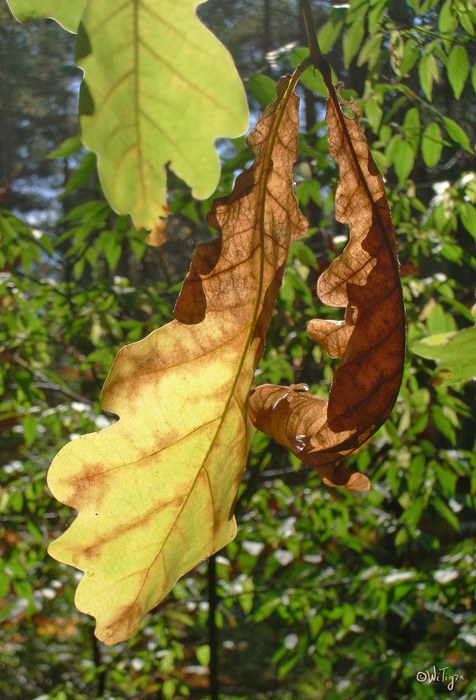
x=364 y=280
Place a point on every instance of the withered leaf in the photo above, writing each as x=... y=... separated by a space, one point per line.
x=365 y=280
x=155 y=491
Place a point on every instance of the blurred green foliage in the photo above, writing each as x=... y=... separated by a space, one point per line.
x=324 y=594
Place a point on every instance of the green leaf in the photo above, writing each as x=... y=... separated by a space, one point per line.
x=410 y=55
x=83 y=172
x=447 y=23
x=411 y=127
x=311 y=78
x=203 y=654
x=353 y=37
x=168 y=688
x=427 y=73
x=68 y=147
x=465 y=20
x=404 y=160
x=65 y=12
x=159 y=89
x=441 y=507
x=456 y=352
x=467 y=213
x=30 y=425
x=374 y=113
x=328 y=34
x=262 y=88
x=458 y=69
x=392 y=149
x=112 y=249
x=370 y=51
x=431 y=144
x=456 y=133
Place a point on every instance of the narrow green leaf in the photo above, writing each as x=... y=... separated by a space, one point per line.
x=404 y=160
x=457 y=134
x=446 y=513
x=465 y=20
x=410 y=55
x=456 y=351
x=112 y=249
x=473 y=77
x=329 y=34
x=353 y=37
x=467 y=213
x=159 y=89
x=82 y=174
x=67 y=148
x=374 y=113
x=458 y=69
x=30 y=425
x=65 y=12
x=392 y=149
x=411 y=127
x=431 y=145
x=370 y=51
x=376 y=14
x=427 y=73
x=447 y=23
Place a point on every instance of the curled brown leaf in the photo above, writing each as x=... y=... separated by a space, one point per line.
x=365 y=280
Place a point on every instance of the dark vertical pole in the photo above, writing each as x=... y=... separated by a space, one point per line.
x=101 y=674
x=212 y=628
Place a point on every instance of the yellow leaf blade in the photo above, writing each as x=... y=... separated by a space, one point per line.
x=155 y=492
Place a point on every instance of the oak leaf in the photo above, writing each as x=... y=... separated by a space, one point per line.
x=365 y=280
x=159 y=88
x=155 y=491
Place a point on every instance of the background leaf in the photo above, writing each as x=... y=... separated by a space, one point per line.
x=458 y=69
x=159 y=89
x=431 y=144
x=455 y=352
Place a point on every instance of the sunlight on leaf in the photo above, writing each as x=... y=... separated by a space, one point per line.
x=155 y=492
x=365 y=280
x=159 y=89
x=65 y=12
x=456 y=352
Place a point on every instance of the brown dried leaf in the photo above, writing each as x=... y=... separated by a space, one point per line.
x=365 y=280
